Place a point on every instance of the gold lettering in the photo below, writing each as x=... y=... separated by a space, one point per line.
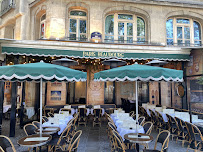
x=88 y=53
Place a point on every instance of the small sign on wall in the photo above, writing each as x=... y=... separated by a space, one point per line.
x=56 y=95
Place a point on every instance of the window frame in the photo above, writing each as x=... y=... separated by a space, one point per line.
x=183 y=25
x=42 y=22
x=77 y=18
x=125 y=21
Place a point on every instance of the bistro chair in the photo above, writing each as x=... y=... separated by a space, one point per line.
x=131 y=113
x=45 y=119
x=5 y=143
x=183 y=133
x=163 y=138
x=141 y=120
x=1 y=149
x=119 y=144
x=147 y=129
x=74 y=142
x=195 y=139
x=82 y=119
x=97 y=116
x=50 y=114
x=36 y=124
x=162 y=125
x=29 y=129
x=175 y=130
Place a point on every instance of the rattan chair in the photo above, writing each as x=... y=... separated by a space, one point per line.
x=195 y=139
x=5 y=143
x=97 y=116
x=147 y=129
x=131 y=113
x=37 y=124
x=141 y=120
x=29 y=129
x=45 y=119
x=50 y=114
x=82 y=119
x=163 y=138
x=74 y=142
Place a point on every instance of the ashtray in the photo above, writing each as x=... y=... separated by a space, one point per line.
x=52 y=123
x=131 y=128
x=139 y=135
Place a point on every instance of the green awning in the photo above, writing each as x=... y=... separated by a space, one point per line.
x=92 y=54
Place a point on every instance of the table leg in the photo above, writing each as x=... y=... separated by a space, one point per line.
x=40 y=148
x=137 y=147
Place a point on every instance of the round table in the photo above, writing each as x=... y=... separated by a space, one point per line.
x=48 y=130
x=33 y=143
x=138 y=140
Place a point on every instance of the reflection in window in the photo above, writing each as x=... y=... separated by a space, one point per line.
x=183 y=30
x=42 y=26
x=125 y=30
x=78 y=25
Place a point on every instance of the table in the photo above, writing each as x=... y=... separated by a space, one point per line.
x=37 y=143
x=62 y=123
x=48 y=130
x=6 y=108
x=30 y=111
x=72 y=110
x=138 y=140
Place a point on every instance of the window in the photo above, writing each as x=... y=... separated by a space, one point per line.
x=183 y=32
x=78 y=25
x=42 y=26
x=124 y=28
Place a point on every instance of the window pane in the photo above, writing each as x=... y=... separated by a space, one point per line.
x=43 y=17
x=141 y=40
x=130 y=39
x=187 y=43
x=83 y=37
x=72 y=36
x=130 y=29
x=179 y=33
x=120 y=28
x=109 y=25
x=109 y=38
x=198 y=43
x=169 y=41
x=197 y=31
x=73 y=25
x=82 y=26
x=186 y=32
x=125 y=16
x=184 y=21
x=169 y=28
x=121 y=39
x=78 y=13
x=140 y=27
x=180 y=42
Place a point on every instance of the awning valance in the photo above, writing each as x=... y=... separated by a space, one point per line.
x=92 y=54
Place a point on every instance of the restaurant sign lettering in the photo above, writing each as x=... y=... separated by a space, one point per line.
x=102 y=54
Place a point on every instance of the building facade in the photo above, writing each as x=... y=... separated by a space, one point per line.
x=92 y=31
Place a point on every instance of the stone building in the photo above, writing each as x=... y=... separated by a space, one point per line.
x=92 y=31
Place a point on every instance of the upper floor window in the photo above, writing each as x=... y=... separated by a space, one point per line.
x=124 y=28
x=42 y=26
x=183 y=32
x=78 y=25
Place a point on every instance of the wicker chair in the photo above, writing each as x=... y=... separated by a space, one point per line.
x=29 y=129
x=74 y=142
x=97 y=116
x=163 y=138
x=45 y=119
x=37 y=124
x=82 y=119
x=141 y=120
x=50 y=114
x=5 y=143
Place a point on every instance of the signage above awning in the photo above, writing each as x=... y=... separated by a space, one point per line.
x=92 y=54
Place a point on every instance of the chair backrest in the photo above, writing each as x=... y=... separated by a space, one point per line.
x=120 y=146
x=73 y=145
x=97 y=112
x=37 y=124
x=82 y=112
x=5 y=142
x=1 y=149
x=148 y=127
x=180 y=127
x=45 y=118
x=29 y=129
x=190 y=130
x=163 y=138
x=197 y=132
x=50 y=114
x=141 y=120
x=112 y=126
x=75 y=118
x=131 y=113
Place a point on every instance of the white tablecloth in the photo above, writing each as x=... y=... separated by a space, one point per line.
x=6 y=108
x=72 y=111
x=30 y=111
x=88 y=111
x=122 y=130
x=102 y=111
x=62 y=124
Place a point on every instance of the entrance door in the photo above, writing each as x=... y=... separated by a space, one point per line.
x=109 y=93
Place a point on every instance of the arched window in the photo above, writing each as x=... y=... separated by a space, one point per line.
x=124 y=28
x=183 y=32
x=78 y=25
x=42 y=26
